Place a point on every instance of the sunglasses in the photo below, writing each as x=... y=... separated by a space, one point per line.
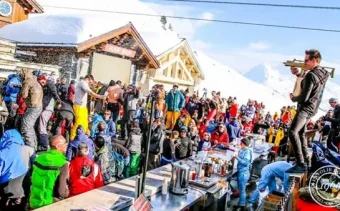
x=106 y=114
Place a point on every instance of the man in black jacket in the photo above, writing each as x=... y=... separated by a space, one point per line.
x=334 y=134
x=65 y=112
x=130 y=106
x=308 y=100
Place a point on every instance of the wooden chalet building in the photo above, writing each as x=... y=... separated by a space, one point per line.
x=110 y=50
x=178 y=66
x=12 y=11
x=109 y=54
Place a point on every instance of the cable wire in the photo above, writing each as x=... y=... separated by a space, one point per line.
x=258 y=4
x=200 y=19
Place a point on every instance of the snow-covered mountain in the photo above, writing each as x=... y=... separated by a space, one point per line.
x=231 y=83
x=283 y=83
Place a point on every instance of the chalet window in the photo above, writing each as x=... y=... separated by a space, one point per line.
x=179 y=74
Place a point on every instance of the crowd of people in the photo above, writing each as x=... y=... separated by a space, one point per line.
x=81 y=136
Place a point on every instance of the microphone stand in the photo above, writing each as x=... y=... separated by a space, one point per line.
x=146 y=159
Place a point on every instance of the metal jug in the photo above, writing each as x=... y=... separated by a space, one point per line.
x=179 y=182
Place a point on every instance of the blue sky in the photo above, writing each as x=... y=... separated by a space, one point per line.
x=229 y=41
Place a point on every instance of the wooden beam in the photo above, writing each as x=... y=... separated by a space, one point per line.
x=186 y=71
x=102 y=38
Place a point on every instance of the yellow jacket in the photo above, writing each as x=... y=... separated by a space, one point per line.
x=278 y=136
x=292 y=113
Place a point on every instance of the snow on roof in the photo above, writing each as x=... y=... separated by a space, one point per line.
x=231 y=83
x=75 y=26
x=59 y=29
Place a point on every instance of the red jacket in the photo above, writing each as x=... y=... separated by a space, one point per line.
x=80 y=184
x=22 y=105
x=221 y=138
x=71 y=92
x=248 y=127
x=202 y=130
x=233 y=111
x=285 y=118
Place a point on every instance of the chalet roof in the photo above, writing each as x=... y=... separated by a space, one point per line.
x=32 y=6
x=68 y=30
x=184 y=42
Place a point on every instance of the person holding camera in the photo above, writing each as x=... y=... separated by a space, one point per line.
x=334 y=134
x=308 y=101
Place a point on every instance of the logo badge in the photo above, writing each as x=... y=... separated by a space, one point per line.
x=324 y=186
x=5 y=8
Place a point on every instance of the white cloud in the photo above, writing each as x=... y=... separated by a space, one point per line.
x=259 y=46
x=200 y=45
x=206 y=16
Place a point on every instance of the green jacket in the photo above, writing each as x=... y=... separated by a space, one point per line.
x=46 y=170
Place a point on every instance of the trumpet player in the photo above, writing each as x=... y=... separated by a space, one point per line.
x=308 y=100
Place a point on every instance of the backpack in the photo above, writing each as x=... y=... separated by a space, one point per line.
x=3 y=87
x=116 y=163
x=94 y=125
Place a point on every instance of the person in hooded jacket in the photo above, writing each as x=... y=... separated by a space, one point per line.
x=103 y=158
x=175 y=102
x=308 y=100
x=234 y=130
x=32 y=93
x=73 y=145
x=134 y=146
x=16 y=159
x=85 y=174
x=50 y=98
x=12 y=90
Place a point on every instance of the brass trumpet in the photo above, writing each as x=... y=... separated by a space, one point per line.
x=301 y=64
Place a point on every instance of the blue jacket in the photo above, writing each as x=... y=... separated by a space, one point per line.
x=12 y=92
x=12 y=163
x=234 y=130
x=276 y=170
x=73 y=145
x=244 y=160
x=111 y=128
x=250 y=111
x=174 y=101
